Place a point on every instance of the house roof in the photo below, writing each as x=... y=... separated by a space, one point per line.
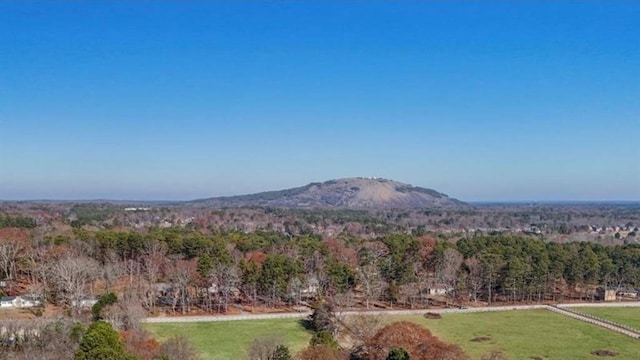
x=7 y=298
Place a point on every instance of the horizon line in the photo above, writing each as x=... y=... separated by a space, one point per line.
x=479 y=202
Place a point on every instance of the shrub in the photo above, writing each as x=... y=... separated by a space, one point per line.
x=417 y=341
x=398 y=354
x=106 y=299
x=323 y=338
x=101 y=342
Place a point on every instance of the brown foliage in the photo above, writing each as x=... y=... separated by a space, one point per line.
x=432 y=315
x=342 y=253
x=14 y=234
x=322 y=352
x=257 y=257
x=416 y=340
x=426 y=245
x=139 y=343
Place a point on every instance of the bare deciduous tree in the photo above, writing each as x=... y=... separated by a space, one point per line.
x=126 y=313
x=71 y=275
x=182 y=274
x=361 y=327
x=153 y=262
x=13 y=244
x=178 y=348
x=371 y=280
x=226 y=278
x=475 y=280
x=38 y=339
x=448 y=267
x=263 y=347
x=111 y=270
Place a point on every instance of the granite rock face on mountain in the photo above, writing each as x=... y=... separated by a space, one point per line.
x=349 y=193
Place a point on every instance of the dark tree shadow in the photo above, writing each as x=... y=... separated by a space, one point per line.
x=306 y=324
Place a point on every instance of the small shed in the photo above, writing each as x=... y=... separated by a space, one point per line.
x=606 y=294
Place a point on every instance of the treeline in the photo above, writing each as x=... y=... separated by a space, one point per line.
x=526 y=269
x=183 y=270
x=88 y=214
x=561 y=222
x=17 y=221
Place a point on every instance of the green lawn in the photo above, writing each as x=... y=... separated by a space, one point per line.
x=229 y=340
x=526 y=334
x=629 y=316
x=521 y=335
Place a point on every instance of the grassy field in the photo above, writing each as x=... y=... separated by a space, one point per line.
x=519 y=334
x=229 y=340
x=629 y=316
x=527 y=334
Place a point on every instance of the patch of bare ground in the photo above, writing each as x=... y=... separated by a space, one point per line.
x=31 y=313
x=604 y=353
x=480 y=339
x=431 y=315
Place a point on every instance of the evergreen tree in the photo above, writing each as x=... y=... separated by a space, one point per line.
x=282 y=353
x=398 y=354
x=101 y=342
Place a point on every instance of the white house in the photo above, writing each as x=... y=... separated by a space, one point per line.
x=85 y=302
x=29 y=301
x=10 y=302
x=7 y=302
x=437 y=289
x=313 y=285
x=214 y=289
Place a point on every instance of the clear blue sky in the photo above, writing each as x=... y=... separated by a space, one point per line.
x=163 y=100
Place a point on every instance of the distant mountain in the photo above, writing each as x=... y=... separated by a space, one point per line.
x=349 y=193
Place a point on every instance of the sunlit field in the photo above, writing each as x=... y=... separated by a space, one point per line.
x=531 y=334
x=629 y=316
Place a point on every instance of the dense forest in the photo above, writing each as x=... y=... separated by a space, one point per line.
x=96 y=270
x=185 y=270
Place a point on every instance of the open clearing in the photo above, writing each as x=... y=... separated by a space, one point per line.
x=229 y=340
x=629 y=316
x=519 y=334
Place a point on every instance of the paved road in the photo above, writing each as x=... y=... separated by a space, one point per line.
x=299 y=315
